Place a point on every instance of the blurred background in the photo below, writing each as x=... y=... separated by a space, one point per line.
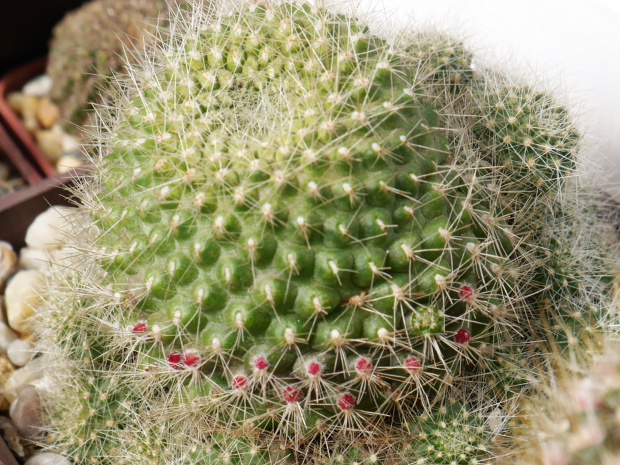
x=26 y=26
x=569 y=45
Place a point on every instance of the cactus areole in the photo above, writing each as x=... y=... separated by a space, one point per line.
x=291 y=237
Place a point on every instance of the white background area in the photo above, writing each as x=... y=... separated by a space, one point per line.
x=569 y=46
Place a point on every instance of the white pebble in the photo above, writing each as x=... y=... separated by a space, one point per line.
x=64 y=257
x=68 y=163
x=42 y=260
x=35 y=259
x=47 y=458
x=8 y=262
x=26 y=412
x=70 y=143
x=49 y=228
x=19 y=378
x=22 y=297
x=37 y=367
x=7 y=336
x=38 y=87
x=34 y=371
x=20 y=352
x=50 y=142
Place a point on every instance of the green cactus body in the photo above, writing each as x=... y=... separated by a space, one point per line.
x=447 y=61
x=531 y=136
x=288 y=242
x=578 y=271
x=351 y=455
x=453 y=435
x=333 y=230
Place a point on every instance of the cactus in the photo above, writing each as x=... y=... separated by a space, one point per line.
x=569 y=413
x=454 y=434
x=528 y=134
x=87 y=48
x=300 y=234
x=572 y=418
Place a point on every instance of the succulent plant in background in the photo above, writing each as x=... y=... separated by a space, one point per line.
x=91 y=44
x=303 y=242
x=574 y=418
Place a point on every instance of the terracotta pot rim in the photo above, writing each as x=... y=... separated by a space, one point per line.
x=13 y=81
x=19 y=209
x=16 y=159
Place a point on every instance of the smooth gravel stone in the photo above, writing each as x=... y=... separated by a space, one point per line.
x=16 y=101
x=35 y=259
x=7 y=336
x=64 y=257
x=17 y=380
x=8 y=262
x=20 y=352
x=4 y=172
x=41 y=260
x=38 y=87
x=48 y=113
x=11 y=436
x=30 y=108
x=70 y=144
x=6 y=371
x=37 y=367
x=25 y=412
x=68 y=163
x=49 y=228
x=47 y=458
x=61 y=256
x=33 y=371
x=22 y=298
x=50 y=141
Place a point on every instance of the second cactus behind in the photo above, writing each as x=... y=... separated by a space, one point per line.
x=575 y=417
x=91 y=44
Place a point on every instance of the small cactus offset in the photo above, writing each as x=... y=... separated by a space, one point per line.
x=301 y=236
x=454 y=434
x=90 y=44
x=530 y=136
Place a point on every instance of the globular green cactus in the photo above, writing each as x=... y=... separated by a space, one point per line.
x=444 y=61
x=454 y=434
x=91 y=44
x=291 y=237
